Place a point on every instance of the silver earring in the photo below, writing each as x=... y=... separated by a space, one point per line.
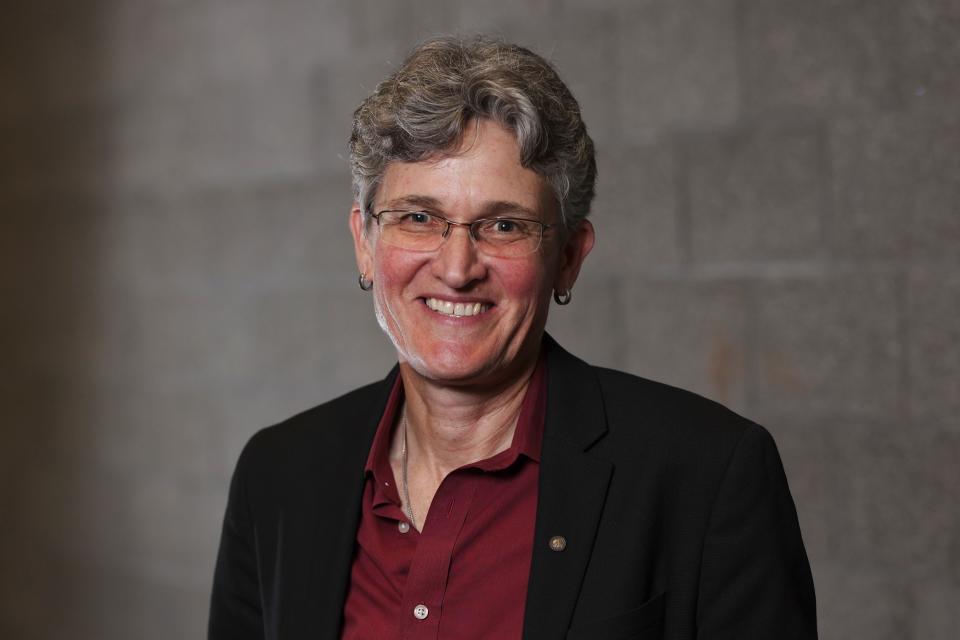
x=562 y=297
x=365 y=284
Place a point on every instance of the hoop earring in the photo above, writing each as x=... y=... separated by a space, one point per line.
x=365 y=284
x=562 y=297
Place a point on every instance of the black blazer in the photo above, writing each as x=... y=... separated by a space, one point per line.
x=678 y=520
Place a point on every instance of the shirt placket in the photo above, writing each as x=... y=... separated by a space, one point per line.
x=422 y=607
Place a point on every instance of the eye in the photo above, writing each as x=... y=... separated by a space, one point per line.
x=418 y=222
x=415 y=218
x=506 y=228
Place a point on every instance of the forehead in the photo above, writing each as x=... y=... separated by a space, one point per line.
x=482 y=173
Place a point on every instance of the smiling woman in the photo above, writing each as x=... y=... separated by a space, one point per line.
x=493 y=485
x=418 y=275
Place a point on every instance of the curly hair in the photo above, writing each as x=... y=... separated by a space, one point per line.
x=423 y=108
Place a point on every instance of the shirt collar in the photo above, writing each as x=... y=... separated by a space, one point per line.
x=527 y=438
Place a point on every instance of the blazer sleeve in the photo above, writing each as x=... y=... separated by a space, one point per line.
x=755 y=578
x=235 y=607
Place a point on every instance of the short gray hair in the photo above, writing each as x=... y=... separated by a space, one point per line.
x=423 y=108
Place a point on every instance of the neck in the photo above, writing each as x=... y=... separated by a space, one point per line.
x=450 y=426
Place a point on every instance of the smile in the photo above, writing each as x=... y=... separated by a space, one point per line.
x=457 y=309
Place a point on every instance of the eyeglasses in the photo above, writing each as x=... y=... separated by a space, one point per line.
x=495 y=237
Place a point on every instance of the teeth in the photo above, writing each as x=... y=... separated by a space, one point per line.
x=459 y=309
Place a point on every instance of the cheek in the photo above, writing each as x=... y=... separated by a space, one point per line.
x=394 y=269
x=526 y=282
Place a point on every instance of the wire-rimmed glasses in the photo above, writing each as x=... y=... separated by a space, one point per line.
x=501 y=237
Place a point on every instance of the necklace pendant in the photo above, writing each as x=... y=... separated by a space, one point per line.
x=406 y=486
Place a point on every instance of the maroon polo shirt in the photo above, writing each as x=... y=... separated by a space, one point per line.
x=465 y=575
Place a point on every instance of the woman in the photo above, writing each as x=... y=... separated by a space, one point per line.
x=494 y=486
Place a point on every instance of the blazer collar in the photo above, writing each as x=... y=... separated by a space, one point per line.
x=572 y=492
x=575 y=410
x=316 y=553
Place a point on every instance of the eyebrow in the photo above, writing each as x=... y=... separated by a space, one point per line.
x=414 y=201
x=495 y=208
x=505 y=206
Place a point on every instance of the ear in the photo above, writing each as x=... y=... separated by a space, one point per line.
x=361 y=241
x=579 y=243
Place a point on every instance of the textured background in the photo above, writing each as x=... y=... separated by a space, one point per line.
x=778 y=224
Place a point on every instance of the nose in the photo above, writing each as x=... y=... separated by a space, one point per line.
x=457 y=262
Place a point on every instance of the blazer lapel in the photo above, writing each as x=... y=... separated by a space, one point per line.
x=572 y=491
x=316 y=553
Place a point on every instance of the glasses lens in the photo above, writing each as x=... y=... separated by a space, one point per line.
x=508 y=237
x=413 y=230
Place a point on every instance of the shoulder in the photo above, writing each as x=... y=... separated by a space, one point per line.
x=663 y=439
x=628 y=397
x=682 y=427
x=333 y=426
x=638 y=414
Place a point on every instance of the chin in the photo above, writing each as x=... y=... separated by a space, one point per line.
x=454 y=363
x=451 y=363
x=458 y=358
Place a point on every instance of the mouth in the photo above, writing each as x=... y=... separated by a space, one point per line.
x=456 y=309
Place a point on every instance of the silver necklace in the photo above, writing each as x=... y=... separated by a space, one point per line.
x=406 y=488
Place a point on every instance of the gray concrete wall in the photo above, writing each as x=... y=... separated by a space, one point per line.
x=778 y=226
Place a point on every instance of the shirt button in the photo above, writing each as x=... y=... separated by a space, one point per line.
x=403 y=526
x=420 y=612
